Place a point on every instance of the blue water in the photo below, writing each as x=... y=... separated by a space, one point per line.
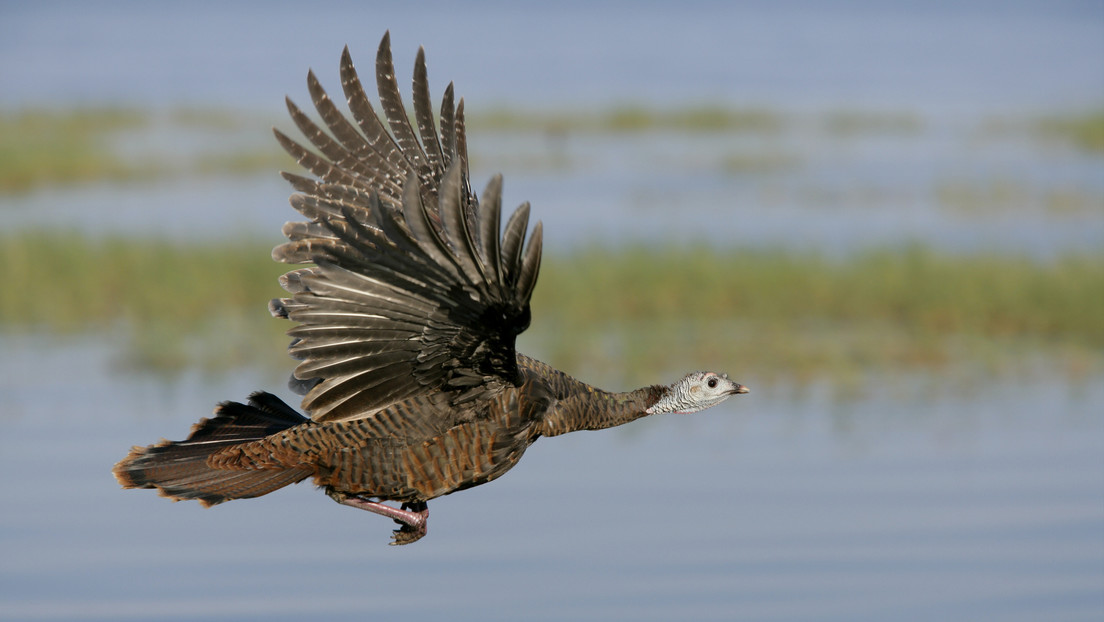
x=931 y=498
x=955 y=70
x=918 y=502
x=951 y=57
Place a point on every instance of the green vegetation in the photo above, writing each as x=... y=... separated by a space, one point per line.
x=630 y=118
x=1086 y=131
x=852 y=122
x=44 y=147
x=1083 y=130
x=1003 y=195
x=759 y=162
x=172 y=305
x=928 y=292
x=41 y=148
x=705 y=118
x=209 y=119
x=627 y=118
x=53 y=147
x=804 y=315
x=639 y=310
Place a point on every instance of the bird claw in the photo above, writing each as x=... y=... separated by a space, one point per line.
x=407 y=535
x=413 y=516
x=416 y=528
x=337 y=495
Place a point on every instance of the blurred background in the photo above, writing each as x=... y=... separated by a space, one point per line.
x=887 y=219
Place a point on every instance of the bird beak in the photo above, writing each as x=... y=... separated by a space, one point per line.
x=741 y=389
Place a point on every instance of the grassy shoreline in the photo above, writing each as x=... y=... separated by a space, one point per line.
x=46 y=147
x=795 y=315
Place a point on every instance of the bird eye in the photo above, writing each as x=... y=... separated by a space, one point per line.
x=712 y=383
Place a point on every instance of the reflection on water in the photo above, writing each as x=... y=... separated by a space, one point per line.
x=941 y=506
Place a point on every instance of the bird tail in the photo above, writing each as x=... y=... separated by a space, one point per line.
x=183 y=469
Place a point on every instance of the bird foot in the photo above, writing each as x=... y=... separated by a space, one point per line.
x=412 y=516
x=415 y=530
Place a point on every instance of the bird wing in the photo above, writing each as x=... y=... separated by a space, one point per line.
x=411 y=288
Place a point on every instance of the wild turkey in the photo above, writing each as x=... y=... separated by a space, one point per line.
x=407 y=315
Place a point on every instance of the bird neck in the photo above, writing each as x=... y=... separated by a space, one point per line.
x=567 y=404
x=590 y=408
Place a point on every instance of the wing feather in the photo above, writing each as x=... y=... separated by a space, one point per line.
x=468 y=252
x=336 y=157
x=377 y=136
x=374 y=167
x=490 y=222
x=423 y=112
x=414 y=290
x=312 y=162
x=530 y=264
x=511 y=242
x=448 y=121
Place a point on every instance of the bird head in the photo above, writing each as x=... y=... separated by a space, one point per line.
x=698 y=390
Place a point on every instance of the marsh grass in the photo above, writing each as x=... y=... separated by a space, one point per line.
x=856 y=122
x=170 y=304
x=55 y=147
x=638 y=310
x=1085 y=130
x=1002 y=195
x=926 y=291
x=631 y=118
x=802 y=315
x=40 y=148
x=43 y=147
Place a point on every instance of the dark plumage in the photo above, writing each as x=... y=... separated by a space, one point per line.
x=407 y=311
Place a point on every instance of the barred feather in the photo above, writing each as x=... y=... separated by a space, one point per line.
x=409 y=266
x=407 y=303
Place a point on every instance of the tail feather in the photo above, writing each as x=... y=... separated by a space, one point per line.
x=181 y=469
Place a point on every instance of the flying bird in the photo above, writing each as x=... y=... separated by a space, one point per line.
x=407 y=305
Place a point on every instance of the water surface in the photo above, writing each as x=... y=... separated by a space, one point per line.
x=932 y=498
x=781 y=504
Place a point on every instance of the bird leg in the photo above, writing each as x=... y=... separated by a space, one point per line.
x=412 y=516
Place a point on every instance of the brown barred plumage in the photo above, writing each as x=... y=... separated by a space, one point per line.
x=406 y=315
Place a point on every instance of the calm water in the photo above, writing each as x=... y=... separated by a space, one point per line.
x=628 y=189
x=913 y=504
x=952 y=70
x=989 y=56
x=933 y=498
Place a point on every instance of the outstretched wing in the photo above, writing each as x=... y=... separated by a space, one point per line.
x=374 y=158
x=411 y=290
